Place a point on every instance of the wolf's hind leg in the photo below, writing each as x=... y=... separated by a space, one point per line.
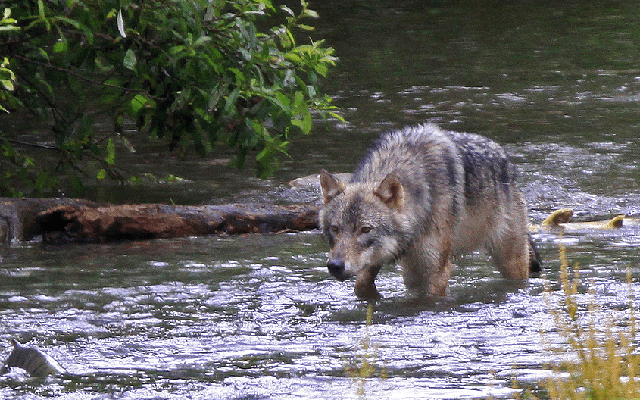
x=426 y=269
x=512 y=258
x=510 y=246
x=510 y=254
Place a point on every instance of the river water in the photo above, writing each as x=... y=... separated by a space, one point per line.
x=258 y=316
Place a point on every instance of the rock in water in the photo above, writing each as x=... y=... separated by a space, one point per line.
x=32 y=360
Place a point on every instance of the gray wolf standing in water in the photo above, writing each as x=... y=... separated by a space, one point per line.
x=420 y=196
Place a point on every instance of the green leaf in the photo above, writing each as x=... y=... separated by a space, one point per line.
x=287 y=10
x=128 y=144
x=116 y=82
x=322 y=69
x=42 y=17
x=229 y=107
x=265 y=155
x=282 y=101
x=7 y=84
x=303 y=118
x=310 y=13
x=101 y=174
x=137 y=103
x=43 y=53
x=298 y=101
x=175 y=50
x=60 y=46
x=120 y=24
x=182 y=100
x=307 y=121
x=202 y=40
x=293 y=57
x=130 y=60
x=102 y=64
x=41 y=9
x=213 y=98
x=78 y=25
x=305 y=27
x=111 y=153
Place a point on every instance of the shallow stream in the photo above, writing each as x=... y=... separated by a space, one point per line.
x=259 y=317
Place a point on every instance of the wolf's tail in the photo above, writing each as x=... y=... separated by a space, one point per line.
x=535 y=262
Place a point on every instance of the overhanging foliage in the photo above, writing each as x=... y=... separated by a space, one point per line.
x=193 y=73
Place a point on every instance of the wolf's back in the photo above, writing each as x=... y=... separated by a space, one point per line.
x=487 y=168
x=442 y=158
x=408 y=152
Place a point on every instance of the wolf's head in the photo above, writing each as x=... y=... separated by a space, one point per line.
x=363 y=224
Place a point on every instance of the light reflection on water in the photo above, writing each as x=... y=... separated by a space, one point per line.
x=200 y=324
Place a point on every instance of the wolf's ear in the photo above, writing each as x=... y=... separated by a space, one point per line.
x=391 y=192
x=331 y=186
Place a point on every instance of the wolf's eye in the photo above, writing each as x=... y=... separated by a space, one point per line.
x=334 y=229
x=365 y=229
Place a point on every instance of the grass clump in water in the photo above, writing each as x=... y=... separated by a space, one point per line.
x=363 y=368
x=603 y=364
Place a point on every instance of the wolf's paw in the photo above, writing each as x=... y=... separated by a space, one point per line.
x=366 y=290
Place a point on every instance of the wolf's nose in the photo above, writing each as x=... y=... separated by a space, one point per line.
x=336 y=268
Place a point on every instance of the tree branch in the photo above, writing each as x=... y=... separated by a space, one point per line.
x=73 y=73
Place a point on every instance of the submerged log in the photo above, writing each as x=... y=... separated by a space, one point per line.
x=90 y=223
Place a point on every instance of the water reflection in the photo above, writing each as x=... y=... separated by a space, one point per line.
x=273 y=321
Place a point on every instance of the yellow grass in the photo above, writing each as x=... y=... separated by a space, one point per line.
x=363 y=367
x=602 y=363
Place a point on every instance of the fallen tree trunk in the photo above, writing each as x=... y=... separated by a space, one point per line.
x=73 y=220
x=149 y=221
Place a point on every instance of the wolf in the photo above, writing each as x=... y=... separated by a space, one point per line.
x=420 y=196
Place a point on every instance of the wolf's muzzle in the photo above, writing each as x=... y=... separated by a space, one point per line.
x=336 y=268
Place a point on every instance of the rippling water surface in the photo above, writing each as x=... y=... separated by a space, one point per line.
x=258 y=317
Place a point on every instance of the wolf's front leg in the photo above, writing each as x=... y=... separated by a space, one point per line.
x=426 y=266
x=365 y=287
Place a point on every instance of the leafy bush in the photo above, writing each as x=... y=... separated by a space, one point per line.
x=193 y=73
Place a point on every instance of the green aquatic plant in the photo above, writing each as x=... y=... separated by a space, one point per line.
x=364 y=365
x=602 y=362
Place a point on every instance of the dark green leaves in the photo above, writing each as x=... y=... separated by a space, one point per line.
x=130 y=60
x=195 y=74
